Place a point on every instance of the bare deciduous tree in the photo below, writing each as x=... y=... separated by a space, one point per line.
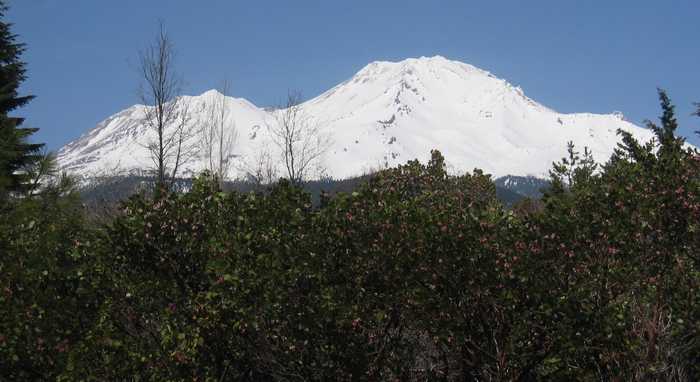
x=261 y=169
x=218 y=135
x=165 y=113
x=300 y=138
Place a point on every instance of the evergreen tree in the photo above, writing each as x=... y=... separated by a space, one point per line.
x=16 y=152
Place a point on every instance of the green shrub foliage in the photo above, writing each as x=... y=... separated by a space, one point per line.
x=49 y=284
x=415 y=275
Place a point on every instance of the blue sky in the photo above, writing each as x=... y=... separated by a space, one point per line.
x=572 y=56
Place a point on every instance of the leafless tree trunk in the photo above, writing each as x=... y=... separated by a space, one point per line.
x=219 y=135
x=300 y=138
x=165 y=112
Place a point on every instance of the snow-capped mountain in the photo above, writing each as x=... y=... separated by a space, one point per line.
x=386 y=114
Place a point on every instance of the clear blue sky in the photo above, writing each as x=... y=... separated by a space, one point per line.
x=573 y=56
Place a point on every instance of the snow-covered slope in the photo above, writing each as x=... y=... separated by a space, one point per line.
x=386 y=114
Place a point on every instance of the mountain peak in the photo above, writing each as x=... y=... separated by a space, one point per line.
x=414 y=60
x=427 y=61
x=211 y=93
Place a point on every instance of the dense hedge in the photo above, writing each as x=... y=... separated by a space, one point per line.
x=416 y=275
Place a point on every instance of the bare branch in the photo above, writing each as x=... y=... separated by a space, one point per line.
x=300 y=138
x=261 y=169
x=219 y=135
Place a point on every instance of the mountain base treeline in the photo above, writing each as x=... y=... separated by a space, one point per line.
x=103 y=194
x=416 y=275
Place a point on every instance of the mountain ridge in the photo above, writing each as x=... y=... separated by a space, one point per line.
x=385 y=114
